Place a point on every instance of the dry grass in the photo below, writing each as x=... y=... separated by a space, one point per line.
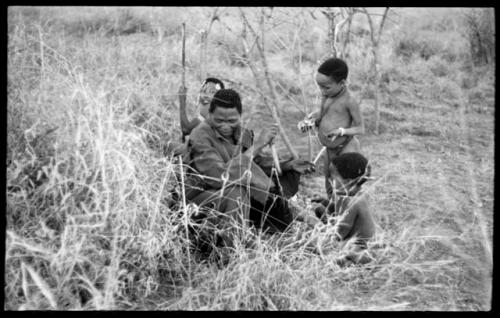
x=91 y=223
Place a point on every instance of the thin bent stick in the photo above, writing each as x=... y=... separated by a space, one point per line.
x=304 y=102
x=184 y=54
x=181 y=166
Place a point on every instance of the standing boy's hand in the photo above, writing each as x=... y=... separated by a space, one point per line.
x=306 y=125
x=336 y=132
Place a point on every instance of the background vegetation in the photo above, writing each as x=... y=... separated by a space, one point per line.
x=92 y=104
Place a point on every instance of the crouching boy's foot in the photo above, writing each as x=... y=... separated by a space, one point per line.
x=303 y=216
x=353 y=258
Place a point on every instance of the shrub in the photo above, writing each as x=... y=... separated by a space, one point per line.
x=479 y=30
x=425 y=47
x=438 y=66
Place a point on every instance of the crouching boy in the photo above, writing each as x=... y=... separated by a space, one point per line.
x=351 y=213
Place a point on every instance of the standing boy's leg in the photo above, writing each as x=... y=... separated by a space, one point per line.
x=326 y=172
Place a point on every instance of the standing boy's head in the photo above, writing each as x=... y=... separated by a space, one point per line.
x=351 y=170
x=208 y=88
x=225 y=111
x=331 y=76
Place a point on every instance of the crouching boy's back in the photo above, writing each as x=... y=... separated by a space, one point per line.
x=353 y=219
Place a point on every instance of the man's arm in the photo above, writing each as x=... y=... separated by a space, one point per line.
x=208 y=162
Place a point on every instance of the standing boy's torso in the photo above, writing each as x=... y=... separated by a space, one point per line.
x=336 y=114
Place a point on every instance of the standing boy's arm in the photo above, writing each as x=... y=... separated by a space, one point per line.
x=357 y=126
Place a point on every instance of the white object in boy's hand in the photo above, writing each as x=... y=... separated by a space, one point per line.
x=306 y=125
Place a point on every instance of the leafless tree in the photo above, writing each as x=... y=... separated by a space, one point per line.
x=375 y=34
x=204 y=33
x=336 y=21
x=259 y=43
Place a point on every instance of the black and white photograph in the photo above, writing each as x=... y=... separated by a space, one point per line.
x=204 y=158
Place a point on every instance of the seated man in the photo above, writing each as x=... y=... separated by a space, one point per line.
x=230 y=174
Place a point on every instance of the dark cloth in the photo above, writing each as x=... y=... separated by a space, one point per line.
x=275 y=215
x=335 y=151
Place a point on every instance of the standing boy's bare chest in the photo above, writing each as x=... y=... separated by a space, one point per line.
x=335 y=114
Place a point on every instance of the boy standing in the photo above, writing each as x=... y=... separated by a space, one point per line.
x=339 y=119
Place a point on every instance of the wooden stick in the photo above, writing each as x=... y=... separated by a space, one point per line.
x=184 y=54
x=323 y=150
x=319 y=155
x=275 y=158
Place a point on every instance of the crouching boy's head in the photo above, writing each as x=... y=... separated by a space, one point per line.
x=350 y=170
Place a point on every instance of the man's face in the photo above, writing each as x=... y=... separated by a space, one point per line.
x=328 y=85
x=206 y=94
x=225 y=120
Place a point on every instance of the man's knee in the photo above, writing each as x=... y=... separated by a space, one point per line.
x=236 y=193
x=236 y=200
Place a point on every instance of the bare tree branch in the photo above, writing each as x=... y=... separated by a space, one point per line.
x=382 y=24
x=271 y=107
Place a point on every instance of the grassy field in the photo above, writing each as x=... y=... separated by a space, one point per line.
x=90 y=219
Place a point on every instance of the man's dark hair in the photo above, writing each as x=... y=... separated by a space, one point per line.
x=352 y=165
x=335 y=68
x=226 y=98
x=213 y=80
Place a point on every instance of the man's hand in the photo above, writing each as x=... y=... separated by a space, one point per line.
x=299 y=165
x=268 y=136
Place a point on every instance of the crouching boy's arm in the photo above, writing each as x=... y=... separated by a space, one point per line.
x=345 y=223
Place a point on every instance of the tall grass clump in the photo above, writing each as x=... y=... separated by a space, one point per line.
x=87 y=221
